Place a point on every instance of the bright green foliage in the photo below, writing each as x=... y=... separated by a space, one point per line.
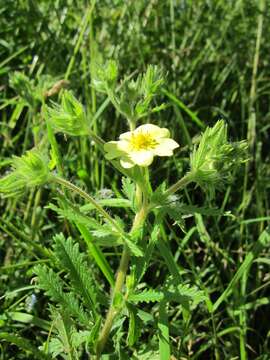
x=136 y=95
x=69 y=117
x=11 y=185
x=146 y=296
x=184 y=294
x=24 y=87
x=213 y=160
x=70 y=258
x=29 y=170
x=133 y=100
x=31 y=92
x=128 y=189
x=105 y=76
x=208 y=286
x=52 y=284
x=66 y=341
x=72 y=214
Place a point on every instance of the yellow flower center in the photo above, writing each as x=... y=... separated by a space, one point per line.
x=142 y=141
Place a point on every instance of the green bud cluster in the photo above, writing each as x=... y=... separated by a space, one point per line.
x=33 y=91
x=138 y=94
x=69 y=117
x=29 y=170
x=213 y=160
x=105 y=76
x=133 y=97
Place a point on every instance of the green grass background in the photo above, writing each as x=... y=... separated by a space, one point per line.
x=215 y=55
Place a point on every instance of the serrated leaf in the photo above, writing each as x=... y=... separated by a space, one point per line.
x=186 y=295
x=135 y=250
x=134 y=325
x=146 y=296
x=158 y=197
x=53 y=286
x=55 y=347
x=69 y=256
x=142 y=263
x=128 y=189
x=79 y=337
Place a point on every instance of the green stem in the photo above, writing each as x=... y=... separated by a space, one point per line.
x=182 y=183
x=89 y=198
x=120 y=279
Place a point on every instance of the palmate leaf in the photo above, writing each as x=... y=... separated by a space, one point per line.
x=69 y=256
x=53 y=286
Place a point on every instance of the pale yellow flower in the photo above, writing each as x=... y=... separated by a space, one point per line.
x=139 y=147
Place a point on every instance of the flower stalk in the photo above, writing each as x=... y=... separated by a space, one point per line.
x=89 y=198
x=180 y=184
x=141 y=198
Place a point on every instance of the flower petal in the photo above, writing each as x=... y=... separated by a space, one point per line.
x=142 y=157
x=124 y=146
x=112 y=150
x=154 y=130
x=165 y=147
x=126 y=163
x=126 y=135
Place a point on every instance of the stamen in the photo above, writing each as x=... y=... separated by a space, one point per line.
x=142 y=141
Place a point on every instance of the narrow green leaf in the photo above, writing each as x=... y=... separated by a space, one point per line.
x=24 y=345
x=97 y=254
x=263 y=241
x=182 y=106
x=28 y=319
x=163 y=335
x=134 y=328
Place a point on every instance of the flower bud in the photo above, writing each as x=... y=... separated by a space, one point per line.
x=29 y=170
x=105 y=76
x=214 y=159
x=69 y=117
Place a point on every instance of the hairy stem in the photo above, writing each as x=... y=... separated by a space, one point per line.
x=182 y=183
x=120 y=280
x=112 y=312
x=89 y=198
